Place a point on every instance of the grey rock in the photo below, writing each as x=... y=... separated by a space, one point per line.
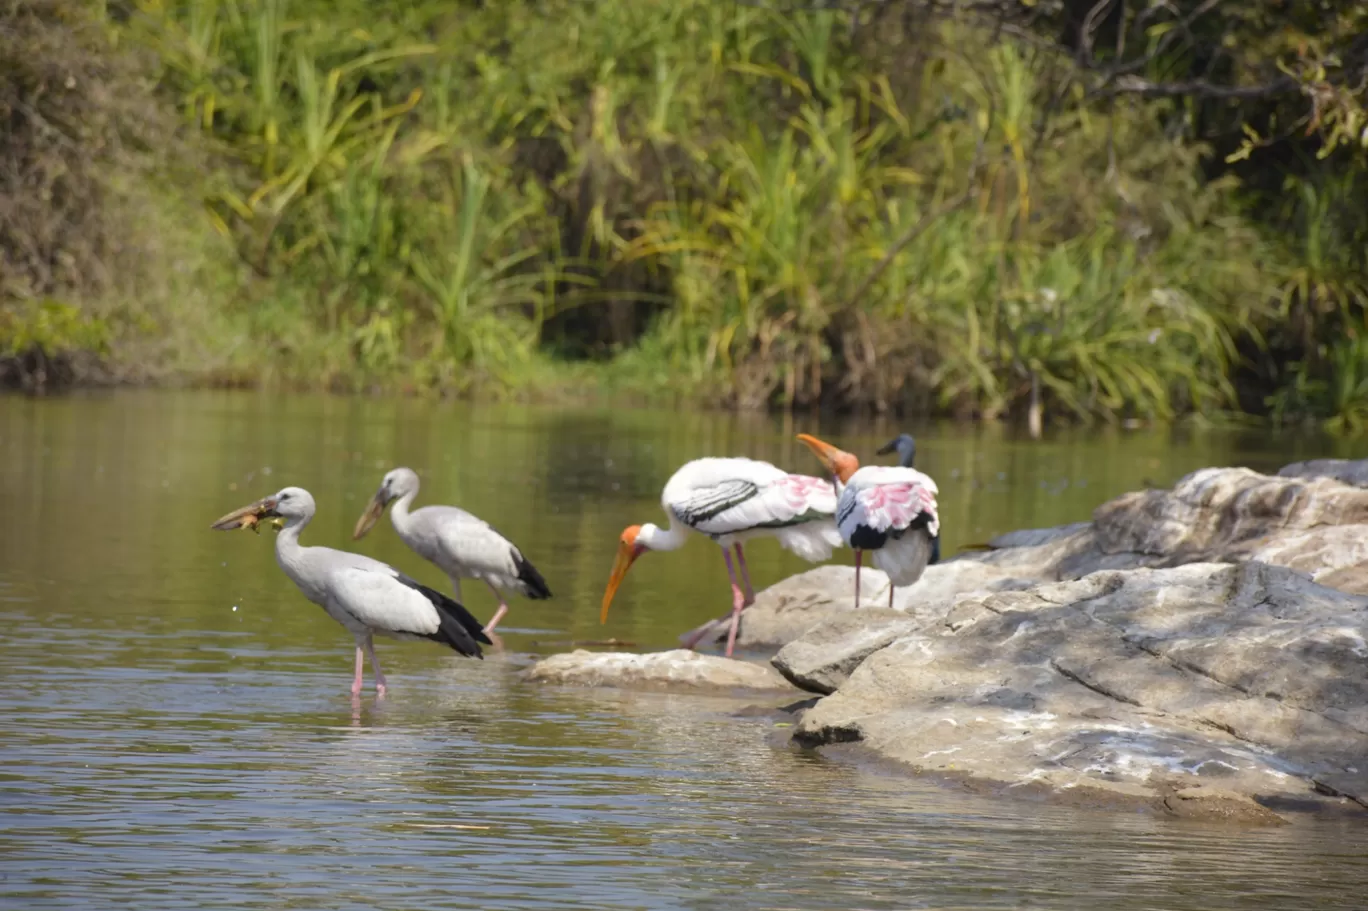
x=678 y=669
x=822 y=658
x=1353 y=472
x=1204 y=689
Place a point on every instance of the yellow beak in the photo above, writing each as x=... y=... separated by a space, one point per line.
x=626 y=556
x=374 y=510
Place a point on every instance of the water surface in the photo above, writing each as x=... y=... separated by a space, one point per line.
x=177 y=730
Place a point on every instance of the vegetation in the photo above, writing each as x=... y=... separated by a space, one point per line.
x=1047 y=209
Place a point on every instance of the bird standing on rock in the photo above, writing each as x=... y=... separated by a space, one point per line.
x=460 y=544
x=364 y=595
x=890 y=510
x=733 y=501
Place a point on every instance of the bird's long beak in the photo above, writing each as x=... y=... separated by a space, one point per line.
x=840 y=463
x=248 y=516
x=374 y=510
x=886 y=448
x=628 y=551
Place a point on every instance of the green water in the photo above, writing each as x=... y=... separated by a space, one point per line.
x=177 y=733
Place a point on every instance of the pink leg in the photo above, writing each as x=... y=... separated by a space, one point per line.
x=498 y=614
x=859 y=555
x=738 y=602
x=745 y=575
x=375 y=665
x=360 y=669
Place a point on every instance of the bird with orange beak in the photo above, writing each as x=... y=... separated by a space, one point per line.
x=733 y=501
x=889 y=510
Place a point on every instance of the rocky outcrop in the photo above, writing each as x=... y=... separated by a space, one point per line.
x=1352 y=472
x=1246 y=686
x=679 y=669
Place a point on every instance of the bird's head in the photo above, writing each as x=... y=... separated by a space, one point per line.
x=290 y=503
x=840 y=464
x=904 y=446
x=630 y=546
x=395 y=484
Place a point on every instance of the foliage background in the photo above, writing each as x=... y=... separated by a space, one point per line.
x=1038 y=209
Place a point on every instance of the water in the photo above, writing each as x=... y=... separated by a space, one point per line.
x=177 y=731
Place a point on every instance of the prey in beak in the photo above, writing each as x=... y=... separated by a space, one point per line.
x=374 y=510
x=628 y=551
x=250 y=516
x=839 y=463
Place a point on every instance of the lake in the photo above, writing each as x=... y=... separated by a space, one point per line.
x=177 y=729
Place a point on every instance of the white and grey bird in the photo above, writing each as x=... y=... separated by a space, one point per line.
x=364 y=595
x=886 y=509
x=461 y=545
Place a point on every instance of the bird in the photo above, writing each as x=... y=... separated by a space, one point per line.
x=890 y=510
x=733 y=500
x=458 y=543
x=364 y=595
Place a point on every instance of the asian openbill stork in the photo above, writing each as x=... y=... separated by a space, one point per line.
x=364 y=595
x=460 y=544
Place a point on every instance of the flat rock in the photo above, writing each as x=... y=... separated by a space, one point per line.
x=679 y=669
x=1205 y=689
x=822 y=658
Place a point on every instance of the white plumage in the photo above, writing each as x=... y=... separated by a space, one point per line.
x=458 y=543
x=734 y=500
x=364 y=595
x=889 y=510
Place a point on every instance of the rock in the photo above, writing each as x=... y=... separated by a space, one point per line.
x=1204 y=689
x=1352 y=472
x=677 y=669
x=1222 y=514
x=822 y=658
x=1034 y=537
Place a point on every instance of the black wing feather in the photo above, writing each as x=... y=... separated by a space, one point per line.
x=459 y=629
x=537 y=588
x=708 y=502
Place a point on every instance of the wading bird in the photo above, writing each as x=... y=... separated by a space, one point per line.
x=461 y=545
x=364 y=595
x=890 y=510
x=733 y=501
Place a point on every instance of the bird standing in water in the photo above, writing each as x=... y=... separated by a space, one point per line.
x=364 y=595
x=733 y=501
x=889 y=510
x=460 y=544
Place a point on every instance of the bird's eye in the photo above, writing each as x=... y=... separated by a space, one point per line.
x=284 y=496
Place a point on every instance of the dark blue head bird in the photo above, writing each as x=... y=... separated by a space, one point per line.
x=906 y=448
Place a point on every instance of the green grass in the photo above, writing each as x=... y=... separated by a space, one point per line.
x=726 y=204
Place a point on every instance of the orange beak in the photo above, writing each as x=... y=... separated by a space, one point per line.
x=628 y=551
x=839 y=463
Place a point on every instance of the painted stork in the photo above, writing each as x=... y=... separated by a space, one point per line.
x=890 y=510
x=458 y=543
x=364 y=595
x=733 y=501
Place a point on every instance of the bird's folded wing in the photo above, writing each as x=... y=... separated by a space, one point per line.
x=887 y=507
x=383 y=601
x=735 y=506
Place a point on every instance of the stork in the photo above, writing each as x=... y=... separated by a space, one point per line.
x=458 y=543
x=890 y=510
x=733 y=501
x=364 y=595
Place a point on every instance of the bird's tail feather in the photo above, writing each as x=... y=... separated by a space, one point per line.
x=905 y=558
x=458 y=627
x=532 y=584
x=813 y=541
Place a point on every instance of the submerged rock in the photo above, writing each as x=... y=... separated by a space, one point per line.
x=1229 y=685
x=677 y=669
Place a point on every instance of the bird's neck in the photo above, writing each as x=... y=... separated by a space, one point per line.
x=287 y=547
x=399 y=512
x=673 y=538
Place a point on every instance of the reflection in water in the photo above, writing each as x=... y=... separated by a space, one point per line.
x=175 y=734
